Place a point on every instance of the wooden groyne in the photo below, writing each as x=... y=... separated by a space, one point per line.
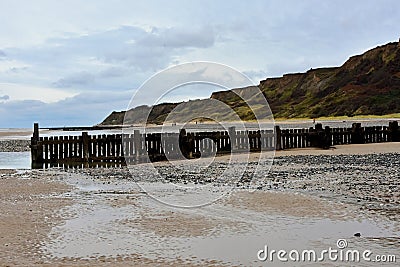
x=139 y=147
x=86 y=150
x=326 y=137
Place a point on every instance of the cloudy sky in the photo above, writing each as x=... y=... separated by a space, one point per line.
x=70 y=62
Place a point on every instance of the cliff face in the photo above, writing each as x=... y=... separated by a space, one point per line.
x=367 y=84
x=363 y=85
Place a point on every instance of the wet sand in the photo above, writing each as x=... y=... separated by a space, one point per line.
x=28 y=211
x=100 y=217
x=15 y=133
x=34 y=203
x=361 y=149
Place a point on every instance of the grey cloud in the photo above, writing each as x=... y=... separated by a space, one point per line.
x=113 y=78
x=4 y=97
x=2 y=54
x=141 y=57
x=113 y=72
x=94 y=97
x=78 y=60
x=84 y=109
x=20 y=113
x=77 y=79
x=155 y=49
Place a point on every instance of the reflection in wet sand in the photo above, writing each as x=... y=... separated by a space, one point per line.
x=117 y=219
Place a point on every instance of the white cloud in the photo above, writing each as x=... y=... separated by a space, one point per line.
x=19 y=92
x=7 y=65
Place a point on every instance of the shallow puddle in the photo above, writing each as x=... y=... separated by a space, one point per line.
x=118 y=219
x=15 y=160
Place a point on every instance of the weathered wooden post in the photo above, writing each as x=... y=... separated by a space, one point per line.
x=278 y=135
x=394 y=132
x=36 y=148
x=318 y=137
x=190 y=144
x=85 y=146
x=232 y=136
x=327 y=138
x=137 y=142
x=257 y=141
x=357 y=133
x=183 y=144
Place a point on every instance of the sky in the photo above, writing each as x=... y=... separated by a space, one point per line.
x=70 y=62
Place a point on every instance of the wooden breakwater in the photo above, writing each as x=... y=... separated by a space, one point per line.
x=326 y=137
x=111 y=149
x=87 y=150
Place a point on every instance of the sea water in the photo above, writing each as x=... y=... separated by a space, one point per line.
x=15 y=160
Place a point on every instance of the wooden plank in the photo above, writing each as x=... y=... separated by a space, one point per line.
x=107 y=145
x=65 y=147
x=70 y=146
x=51 y=149
x=85 y=147
x=112 y=146
x=46 y=148
x=74 y=147
x=103 y=147
x=56 y=149
x=118 y=145
x=291 y=139
x=278 y=138
x=137 y=144
x=287 y=139
x=61 y=148
x=379 y=135
x=94 y=147
x=385 y=134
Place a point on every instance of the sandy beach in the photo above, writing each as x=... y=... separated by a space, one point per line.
x=308 y=198
x=27 y=215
